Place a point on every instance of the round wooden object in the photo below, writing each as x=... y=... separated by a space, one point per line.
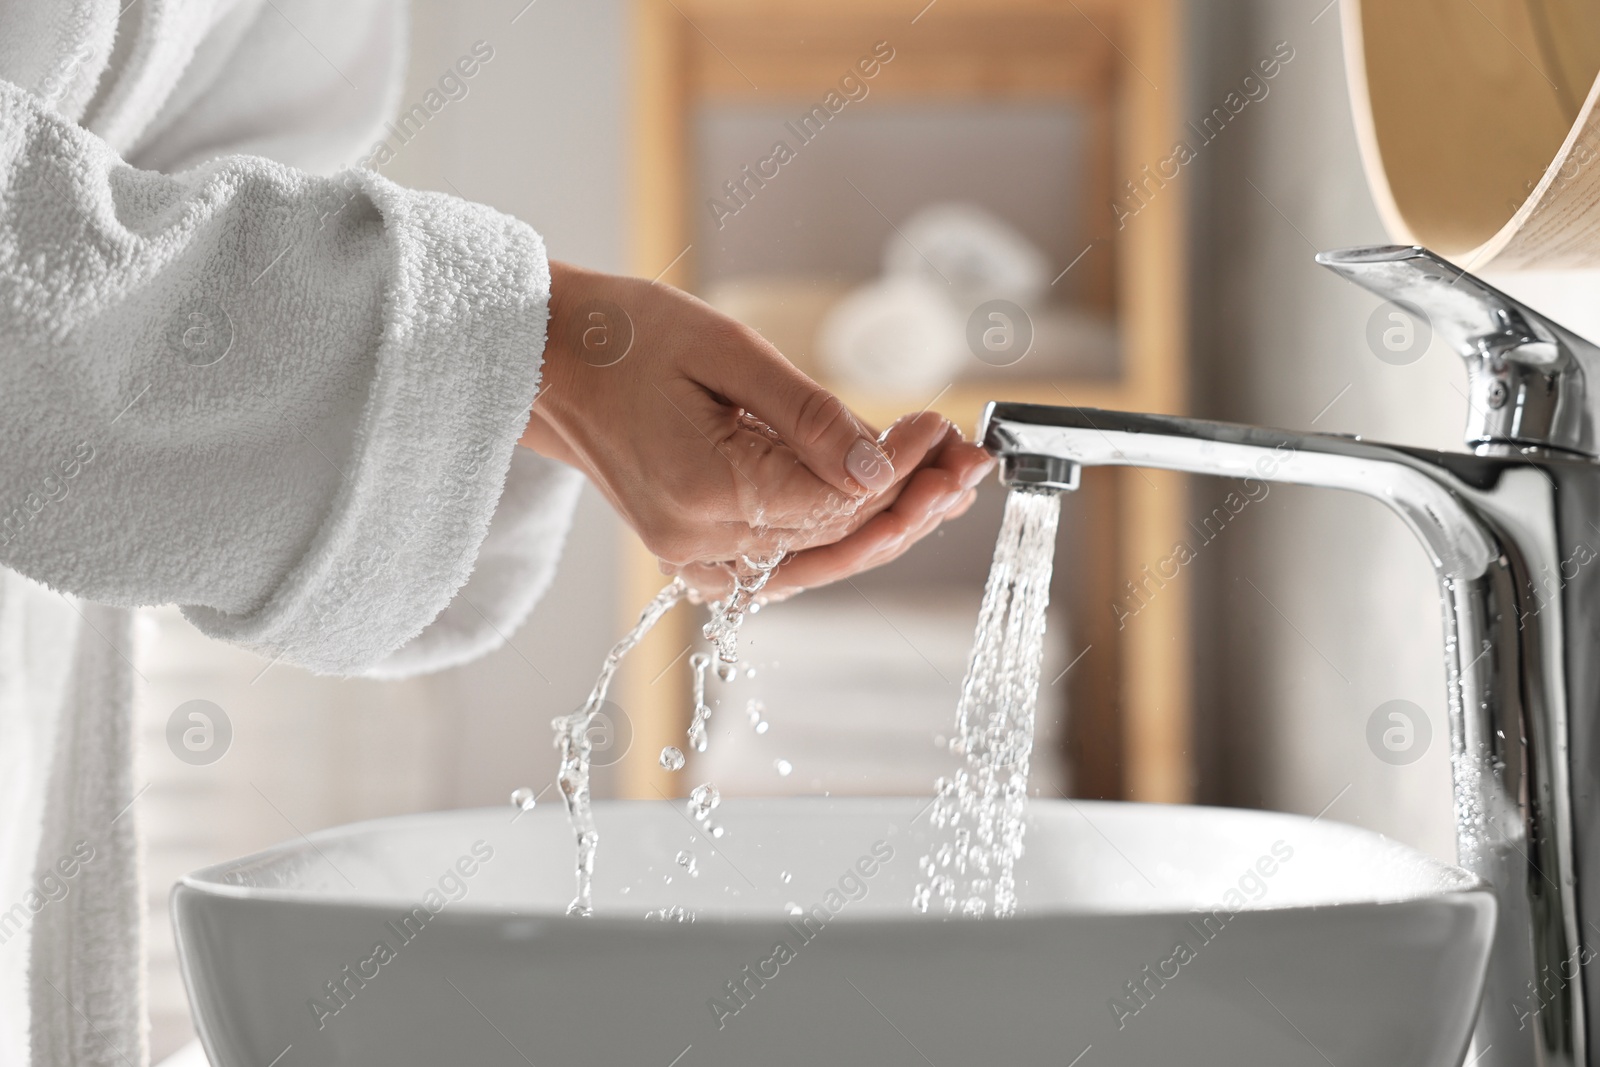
x=1479 y=123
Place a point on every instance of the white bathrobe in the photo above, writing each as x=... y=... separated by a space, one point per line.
x=287 y=402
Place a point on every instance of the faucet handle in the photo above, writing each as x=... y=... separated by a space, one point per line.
x=1527 y=376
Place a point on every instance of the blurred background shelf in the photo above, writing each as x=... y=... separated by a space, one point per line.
x=1034 y=114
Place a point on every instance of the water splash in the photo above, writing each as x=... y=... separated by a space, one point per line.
x=572 y=731
x=979 y=810
x=749 y=577
x=572 y=738
x=722 y=630
x=728 y=614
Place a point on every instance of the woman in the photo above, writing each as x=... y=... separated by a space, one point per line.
x=240 y=376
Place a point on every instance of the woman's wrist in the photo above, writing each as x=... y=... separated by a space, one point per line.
x=568 y=286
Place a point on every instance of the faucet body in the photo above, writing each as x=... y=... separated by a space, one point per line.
x=1511 y=532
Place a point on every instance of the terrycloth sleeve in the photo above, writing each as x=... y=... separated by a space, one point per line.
x=285 y=402
x=515 y=565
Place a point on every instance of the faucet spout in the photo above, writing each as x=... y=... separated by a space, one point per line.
x=1032 y=435
x=1521 y=614
x=1025 y=470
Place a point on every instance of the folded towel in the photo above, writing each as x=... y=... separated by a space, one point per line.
x=900 y=334
x=972 y=253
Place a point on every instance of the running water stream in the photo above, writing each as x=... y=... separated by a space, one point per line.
x=979 y=811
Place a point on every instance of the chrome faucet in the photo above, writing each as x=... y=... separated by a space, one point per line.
x=1509 y=527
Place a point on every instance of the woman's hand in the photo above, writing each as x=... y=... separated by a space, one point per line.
x=714 y=447
x=944 y=488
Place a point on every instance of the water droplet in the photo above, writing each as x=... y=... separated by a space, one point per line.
x=524 y=799
x=672 y=758
x=793 y=909
x=783 y=767
x=727 y=671
x=687 y=861
x=702 y=798
x=717 y=832
x=786 y=877
x=762 y=726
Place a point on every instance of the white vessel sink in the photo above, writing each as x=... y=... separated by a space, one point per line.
x=1304 y=943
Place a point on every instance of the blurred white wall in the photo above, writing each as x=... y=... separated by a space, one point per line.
x=1320 y=606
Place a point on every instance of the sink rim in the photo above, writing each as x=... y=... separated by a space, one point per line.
x=1453 y=881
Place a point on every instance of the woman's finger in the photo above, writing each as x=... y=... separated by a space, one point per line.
x=930 y=501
